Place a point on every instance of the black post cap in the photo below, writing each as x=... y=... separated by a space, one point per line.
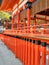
x=37 y=42
x=29 y=5
x=43 y=44
x=30 y=40
x=33 y=41
x=27 y=39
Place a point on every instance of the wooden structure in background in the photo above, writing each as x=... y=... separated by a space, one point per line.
x=29 y=41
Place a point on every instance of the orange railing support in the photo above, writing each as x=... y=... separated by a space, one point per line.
x=12 y=22
x=37 y=52
x=28 y=18
x=43 y=53
x=33 y=52
x=18 y=20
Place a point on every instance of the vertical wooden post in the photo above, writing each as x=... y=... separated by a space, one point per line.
x=29 y=5
x=24 y=25
x=28 y=16
x=35 y=21
x=18 y=20
x=12 y=22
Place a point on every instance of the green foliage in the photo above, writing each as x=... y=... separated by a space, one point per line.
x=4 y=15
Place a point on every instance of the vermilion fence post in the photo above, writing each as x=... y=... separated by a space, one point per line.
x=37 y=52
x=13 y=44
x=47 y=54
x=23 y=53
x=26 y=52
x=29 y=52
x=20 y=48
x=43 y=53
x=33 y=52
x=17 y=47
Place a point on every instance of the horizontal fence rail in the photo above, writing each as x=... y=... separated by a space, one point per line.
x=35 y=29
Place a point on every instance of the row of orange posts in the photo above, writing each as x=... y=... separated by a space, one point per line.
x=29 y=51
